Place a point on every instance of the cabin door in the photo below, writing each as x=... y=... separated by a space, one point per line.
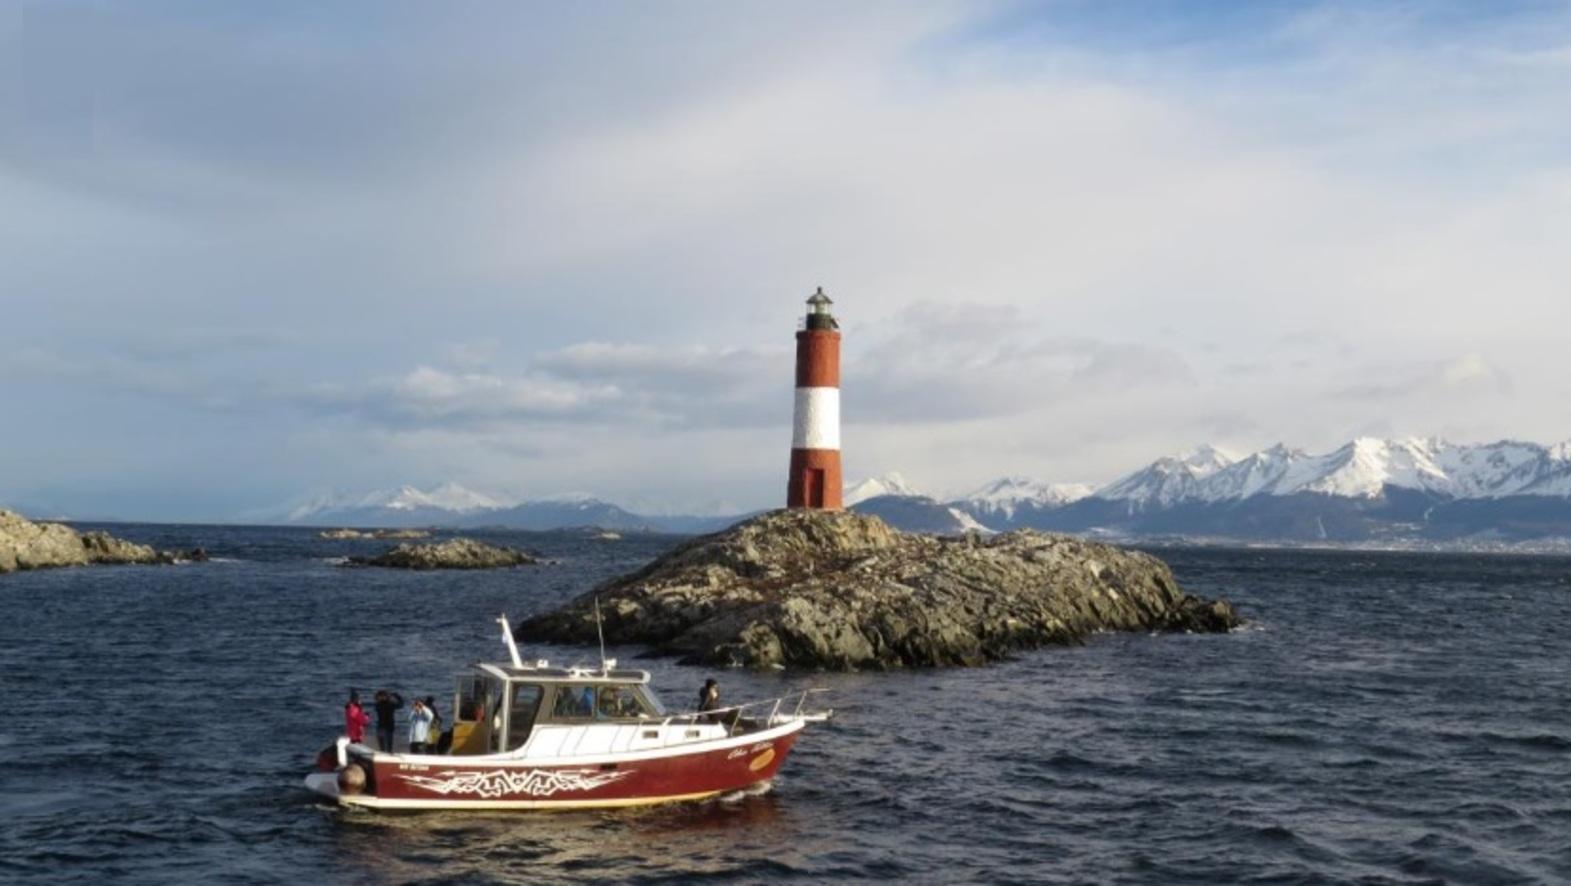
x=521 y=711
x=813 y=487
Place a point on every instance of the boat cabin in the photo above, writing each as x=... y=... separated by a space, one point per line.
x=498 y=708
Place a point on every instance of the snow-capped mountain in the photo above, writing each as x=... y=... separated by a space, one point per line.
x=557 y=512
x=919 y=513
x=888 y=484
x=447 y=497
x=1368 y=489
x=455 y=506
x=1363 y=468
x=403 y=504
x=1167 y=481
x=1011 y=502
x=1007 y=494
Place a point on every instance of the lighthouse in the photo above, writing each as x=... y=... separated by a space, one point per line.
x=815 y=430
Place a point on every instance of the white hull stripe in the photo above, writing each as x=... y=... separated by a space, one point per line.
x=421 y=803
x=817 y=419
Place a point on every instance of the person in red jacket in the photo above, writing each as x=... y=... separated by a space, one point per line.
x=355 y=718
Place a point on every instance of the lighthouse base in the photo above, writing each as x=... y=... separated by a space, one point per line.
x=815 y=479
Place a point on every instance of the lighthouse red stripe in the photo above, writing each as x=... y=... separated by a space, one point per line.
x=817 y=358
x=815 y=480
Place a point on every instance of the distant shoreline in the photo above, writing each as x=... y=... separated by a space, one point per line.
x=1546 y=547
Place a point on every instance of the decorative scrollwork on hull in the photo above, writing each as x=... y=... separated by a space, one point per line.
x=511 y=782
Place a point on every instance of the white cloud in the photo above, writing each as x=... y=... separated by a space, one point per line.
x=1051 y=254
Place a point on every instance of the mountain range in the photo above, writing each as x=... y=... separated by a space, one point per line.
x=1368 y=490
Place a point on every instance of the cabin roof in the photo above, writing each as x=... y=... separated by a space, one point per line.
x=575 y=674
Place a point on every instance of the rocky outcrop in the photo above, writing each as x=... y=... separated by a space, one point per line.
x=25 y=544
x=841 y=590
x=456 y=553
x=373 y=533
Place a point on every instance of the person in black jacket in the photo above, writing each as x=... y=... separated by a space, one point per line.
x=386 y=704
x=709 y=696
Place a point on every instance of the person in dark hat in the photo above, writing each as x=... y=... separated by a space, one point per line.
x=709 y=696
x=386 y=704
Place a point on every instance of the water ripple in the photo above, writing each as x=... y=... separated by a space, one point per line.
x=1386 y=718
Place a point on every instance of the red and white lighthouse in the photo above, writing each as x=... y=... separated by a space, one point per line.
x=815 y=430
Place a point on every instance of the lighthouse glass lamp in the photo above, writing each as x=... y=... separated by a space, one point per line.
x=814 y=480
x=818 y=316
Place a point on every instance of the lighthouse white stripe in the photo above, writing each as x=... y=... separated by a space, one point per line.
x=817 y=421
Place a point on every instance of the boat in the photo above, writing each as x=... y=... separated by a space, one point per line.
x=534 y=736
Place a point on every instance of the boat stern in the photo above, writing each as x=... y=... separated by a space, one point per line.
x=343 y=772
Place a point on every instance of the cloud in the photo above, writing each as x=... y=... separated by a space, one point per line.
x=930 y=364
x=1061 y=237
x=952 y=363
x=430 y=397
x=1467 y=375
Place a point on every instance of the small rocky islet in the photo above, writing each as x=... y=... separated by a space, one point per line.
x=454 y=553
x=844 y=591
x=345 y=534
x=26 y=544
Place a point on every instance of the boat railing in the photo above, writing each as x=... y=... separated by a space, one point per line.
x=680 y=729
x=734 y=715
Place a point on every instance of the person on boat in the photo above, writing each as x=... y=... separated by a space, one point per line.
x=436 y=717
x=355 y=718
x=420 y=718
x=386 y=704
x=709 y=696
x=615 y=703
x=441 y=738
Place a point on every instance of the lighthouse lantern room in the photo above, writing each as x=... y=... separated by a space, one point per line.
x=815 y=440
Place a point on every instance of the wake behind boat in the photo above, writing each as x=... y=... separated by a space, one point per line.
x=543 y=737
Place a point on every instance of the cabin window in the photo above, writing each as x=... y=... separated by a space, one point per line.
x=496 y=693
x=651 y=702
x=620 y=703
x=470 y=704
x=521 y=714
x=573 y=703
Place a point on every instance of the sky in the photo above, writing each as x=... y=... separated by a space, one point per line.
x=252 y=252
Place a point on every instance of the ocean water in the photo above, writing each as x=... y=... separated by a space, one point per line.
x=1384 y=718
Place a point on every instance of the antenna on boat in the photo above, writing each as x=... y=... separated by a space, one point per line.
x=605 y=664
x=507 y=637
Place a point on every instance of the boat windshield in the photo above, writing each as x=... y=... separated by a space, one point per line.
x=620 y=703
x=607 y=701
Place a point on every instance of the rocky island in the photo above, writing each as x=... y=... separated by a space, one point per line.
x=455 y=553
x=373 y=533
x=25 y=544
x=839 y=590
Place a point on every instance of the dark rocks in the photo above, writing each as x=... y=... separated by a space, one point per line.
x=28 y=545
x=842 y=590
x=456 y=553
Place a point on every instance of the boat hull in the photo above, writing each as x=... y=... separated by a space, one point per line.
x=706 y=770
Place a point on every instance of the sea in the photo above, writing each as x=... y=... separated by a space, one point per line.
x=1381 y=718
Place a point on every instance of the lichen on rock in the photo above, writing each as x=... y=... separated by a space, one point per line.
x=839 y=590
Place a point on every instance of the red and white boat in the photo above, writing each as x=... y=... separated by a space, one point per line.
x=542 y=737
